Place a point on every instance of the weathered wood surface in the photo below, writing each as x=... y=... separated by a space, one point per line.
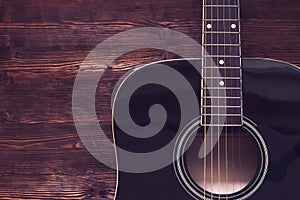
x=42 y=44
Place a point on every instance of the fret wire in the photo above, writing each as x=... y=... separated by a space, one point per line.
x=225 y=124
x=220 y=56
x=220 y=32
x=217 y=67
x=226 y=20
x=230 y=109
x=235 y=45
x=229 y=115
x=216 y=97
x=226 y=6
x=212 y=2
x=221 y=88
x=224 y=78
x=235 y=103
x=221 y=106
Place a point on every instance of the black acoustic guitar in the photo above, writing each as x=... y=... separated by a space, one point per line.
x=235 y=146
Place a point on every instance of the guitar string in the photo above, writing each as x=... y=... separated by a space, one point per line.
x=211 y=117
x=225 y=70
x=218 y=124
x=231 y=75
x=232 y=134
x=240 y=65
x=204 y=93
x=226 y=136
x=239 y=174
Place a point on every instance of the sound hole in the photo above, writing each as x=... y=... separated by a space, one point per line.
x=230 y=167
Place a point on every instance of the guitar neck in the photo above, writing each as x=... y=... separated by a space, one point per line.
x=221 y=57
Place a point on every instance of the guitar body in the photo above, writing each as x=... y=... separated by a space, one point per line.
x=271 y=101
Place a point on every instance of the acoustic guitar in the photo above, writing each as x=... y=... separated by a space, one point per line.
x=235 y=146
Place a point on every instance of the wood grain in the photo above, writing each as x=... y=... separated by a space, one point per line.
x=42 y=44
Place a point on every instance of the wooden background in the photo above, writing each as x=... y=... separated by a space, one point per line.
x=42 y=44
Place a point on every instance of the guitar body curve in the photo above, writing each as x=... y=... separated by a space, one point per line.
x=271 y=100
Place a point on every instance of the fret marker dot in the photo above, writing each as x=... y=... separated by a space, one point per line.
x=233 y=26
x=209 y=26
x=221 y=62
x=221 y=83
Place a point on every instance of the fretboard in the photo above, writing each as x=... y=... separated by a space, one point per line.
x=221 y=60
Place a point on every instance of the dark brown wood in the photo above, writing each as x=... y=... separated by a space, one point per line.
x=42 y=44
